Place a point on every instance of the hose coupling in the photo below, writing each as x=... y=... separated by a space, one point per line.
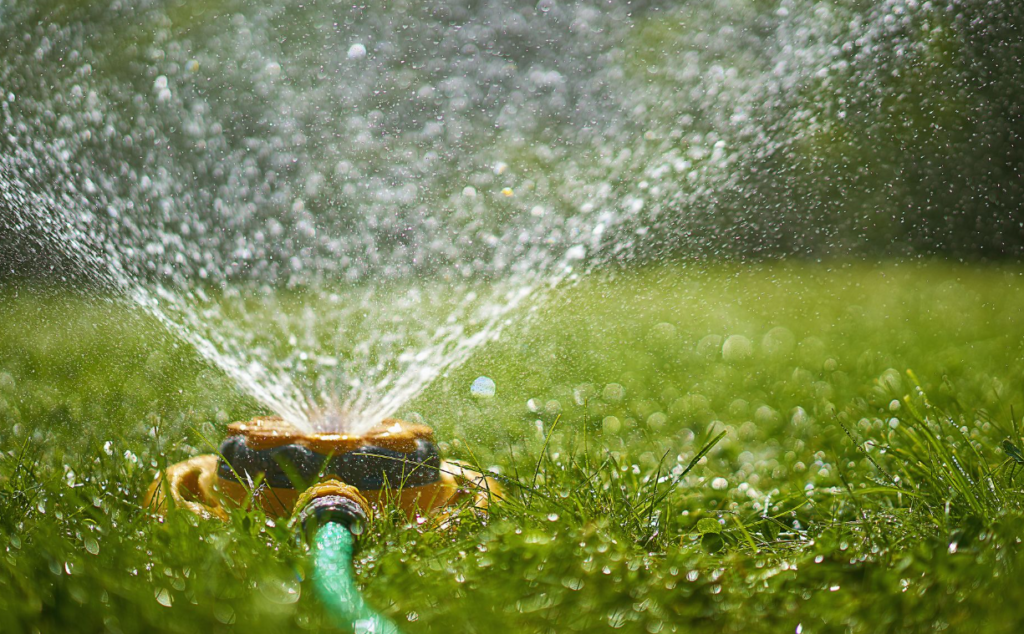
x=332 y=501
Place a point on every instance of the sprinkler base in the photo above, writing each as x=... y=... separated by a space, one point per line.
x=269 y=463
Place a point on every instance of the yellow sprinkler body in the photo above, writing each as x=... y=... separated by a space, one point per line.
x=268 y=462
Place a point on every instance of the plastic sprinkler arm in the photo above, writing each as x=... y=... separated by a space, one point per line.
x=337 y=515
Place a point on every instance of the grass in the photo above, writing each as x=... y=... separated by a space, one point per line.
x=739 y=448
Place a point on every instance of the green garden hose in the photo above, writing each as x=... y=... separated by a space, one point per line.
x=335 y=519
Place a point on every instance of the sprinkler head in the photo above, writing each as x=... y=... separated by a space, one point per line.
x=268 y=462
x=395 y=460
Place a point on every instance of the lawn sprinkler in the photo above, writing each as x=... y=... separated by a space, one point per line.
x=329 y=484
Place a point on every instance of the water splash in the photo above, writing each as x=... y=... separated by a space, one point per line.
x=335 y=205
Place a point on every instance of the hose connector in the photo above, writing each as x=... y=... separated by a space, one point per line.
x=331 y=501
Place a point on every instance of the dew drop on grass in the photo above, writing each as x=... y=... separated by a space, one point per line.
x=582 y=393
x=572 y=583
x=611 y=425
x=737 y=349
x=656 y=421
x=765 y=415
x=280 y=591
x=357 y=51
x=482 y=388
x=163 y=597
x=709 y=346
x=739 y=407
x=224 y=613
x=613 y=393
x=91 y=545
x=778 y=342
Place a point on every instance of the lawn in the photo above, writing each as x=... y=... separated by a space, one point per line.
x=801 y=447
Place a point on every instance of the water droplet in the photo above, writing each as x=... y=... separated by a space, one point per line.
x=737 y=349
x=613 y=393
x=573 y=583
x=357 y=51
x=163 y=597
x=483 y=387
x=656 y=421
x=280 y=591
x=611 y=424
x=224 y=613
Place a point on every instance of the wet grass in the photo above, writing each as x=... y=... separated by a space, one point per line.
x=740 y=448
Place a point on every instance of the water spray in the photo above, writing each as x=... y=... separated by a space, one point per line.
x=329 y=484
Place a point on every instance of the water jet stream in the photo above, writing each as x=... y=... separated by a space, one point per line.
x=336 y=205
